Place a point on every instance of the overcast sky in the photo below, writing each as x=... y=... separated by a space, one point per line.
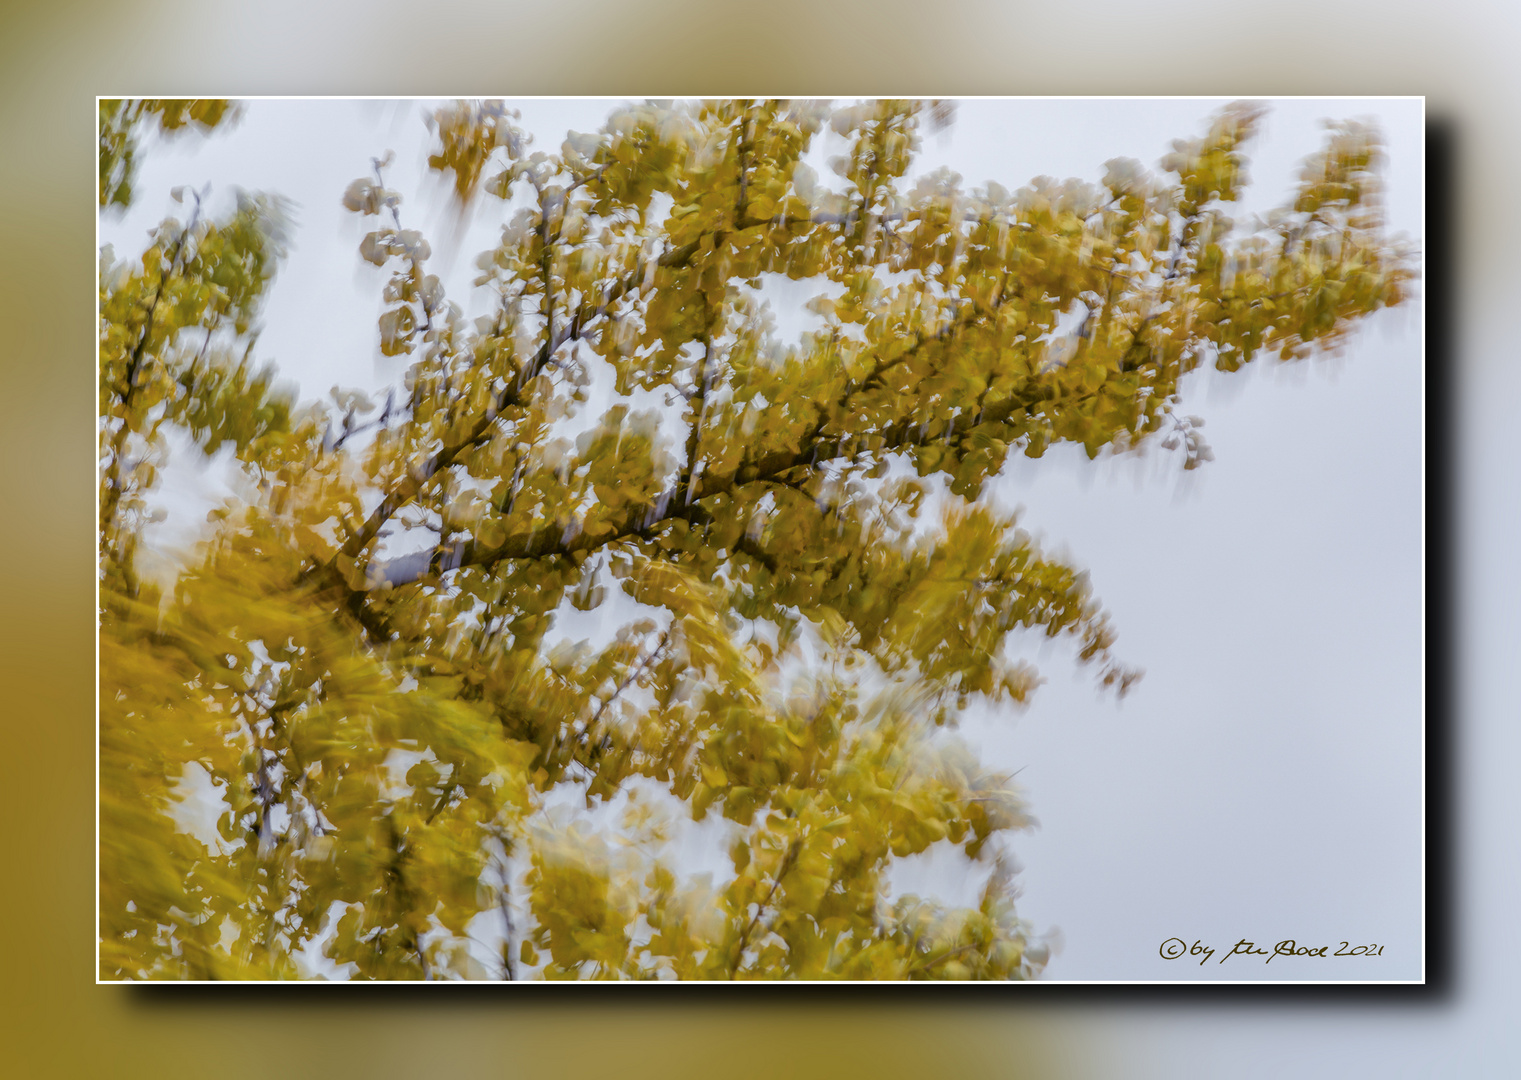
x=1263 y=781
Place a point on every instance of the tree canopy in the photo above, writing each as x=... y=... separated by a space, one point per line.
x=797 y=582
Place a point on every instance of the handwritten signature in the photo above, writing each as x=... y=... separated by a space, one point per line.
x=1178 y=949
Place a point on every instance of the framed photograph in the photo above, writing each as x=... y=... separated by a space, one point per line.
x=870 y=540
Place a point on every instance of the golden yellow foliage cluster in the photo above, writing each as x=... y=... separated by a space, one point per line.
x=796 y=615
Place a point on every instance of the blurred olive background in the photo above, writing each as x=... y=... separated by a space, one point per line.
x=54 y=60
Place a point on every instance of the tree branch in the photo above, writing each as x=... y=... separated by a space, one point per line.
x=548 y=539
x=509 y=397
x=116 y=485
x=638 y=670
x=744 y=937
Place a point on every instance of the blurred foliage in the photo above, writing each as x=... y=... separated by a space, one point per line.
x=786 y=541
x=121 y=123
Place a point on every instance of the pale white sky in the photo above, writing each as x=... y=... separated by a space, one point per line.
x=1264 y=779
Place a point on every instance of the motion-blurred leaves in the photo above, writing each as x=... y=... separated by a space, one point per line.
x=803 y=585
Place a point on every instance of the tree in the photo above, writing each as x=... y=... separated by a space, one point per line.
x=120 y=122
x=785 y=541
